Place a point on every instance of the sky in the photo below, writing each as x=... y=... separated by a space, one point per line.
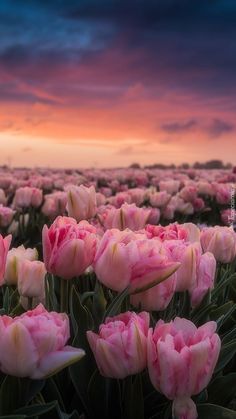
x=103 y=83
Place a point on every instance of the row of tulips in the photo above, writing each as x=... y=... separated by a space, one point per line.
x=137 y=259
x=164 y=195
x=113 y=315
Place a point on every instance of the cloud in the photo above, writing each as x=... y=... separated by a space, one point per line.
x=214 y=129
x=6 y=125
x=218 y=127
x=118 y=43
x=179 y=127
x=26 y=149
x=125 y=150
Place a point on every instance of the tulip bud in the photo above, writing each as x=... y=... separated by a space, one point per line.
x=13 y=258
x=221 y=241
x=31 y=276
x=74 y=249
x=27 y=196
x=6 y=216
x=35 y=344
x=181 y=361
x=4 y=247
x=81 y=202
x=120 y=348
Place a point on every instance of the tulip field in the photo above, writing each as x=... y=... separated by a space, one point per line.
x=117 y=293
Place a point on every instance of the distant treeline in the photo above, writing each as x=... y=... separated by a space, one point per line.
x=210 y=164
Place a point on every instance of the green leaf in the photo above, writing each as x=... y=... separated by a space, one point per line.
x=37 y=409
x=24 y=391
x=222 y=310
x=221 y=286
x=114 y=307
x=104 y=397
x=226 y=316
x=14 y=417
x=50 y=293
x=51 y=392
x=185 y=304
x=97 y=394
x=73 y=415
x=17 y=310
x=81 y=372
x=6 y=300
x=9 y=386
x=226 y=354
x=223 y=389
x=99 y=303
x=210 y=411
x=133 y=398
x=167 y=414
x=86 y=295
x=81 y=320
x=199 y=314
x=228 y=336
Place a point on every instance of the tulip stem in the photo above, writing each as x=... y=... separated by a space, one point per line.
x=30 y=303
x=64 y=296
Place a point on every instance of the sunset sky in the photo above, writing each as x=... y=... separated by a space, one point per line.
x=93 y=83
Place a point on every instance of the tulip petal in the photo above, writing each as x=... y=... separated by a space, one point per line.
x=162 y=273
x=18 y=352
x=56 y=361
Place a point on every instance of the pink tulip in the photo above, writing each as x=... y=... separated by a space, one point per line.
x=27 y=196
x=169 y=212
x=6 y=181
x=185 y=208
x=170 y=186
x=156 y=298
x=159 y=199
x=198 y=204
x=187 y=232
x=129 y=259
x=120 y=347
x=205 y=188
x=106 y=191
x=6 y=216
x=68 y=248
x=101 y=199
x=120 y=199
x=197 y=271
x=223 y=193
x=181 y=361
x=154 y=216
x=31 y=275
x=189 y=256
x=221 y=241
x=228 y=216
x=81 y=202
x=54 y=204
x=4 y=247
x=34 y=344
x=188 y=193
x=127 y=216
x=204 y=279
x=138 y=195
x=177 y=204
x=14 y=256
